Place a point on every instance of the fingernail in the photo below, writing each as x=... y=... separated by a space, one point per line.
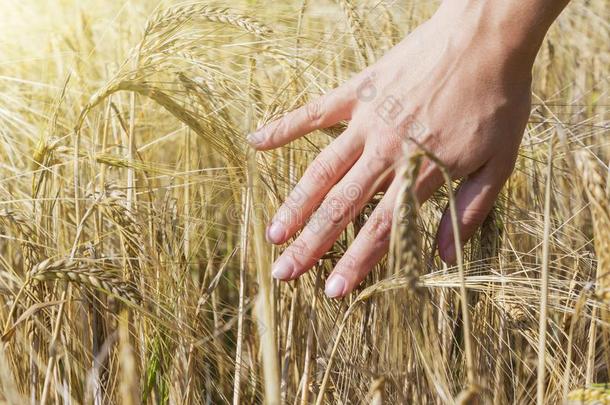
x=255 y=138
x=335 y=286
x=276 y=232
x=282 y=269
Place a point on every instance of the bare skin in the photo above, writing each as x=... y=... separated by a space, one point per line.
x=461 y=85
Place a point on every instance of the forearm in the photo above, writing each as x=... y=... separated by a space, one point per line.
x=515 y=28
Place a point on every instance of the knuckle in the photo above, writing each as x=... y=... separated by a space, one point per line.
x=394 y=145
x=296 y=198
x=390 y=109
x=314 y=112
x=411 y=128
x=278 y=130
x=338 y=207
x=332 y=213
x=321 y=171
x=347 y=265
x=379 y=158
x=378 y=227
x=472 y=216
x=317 y=221
x=300 y=252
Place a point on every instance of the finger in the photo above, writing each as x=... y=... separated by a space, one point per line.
x=429 y=179
x=366 y=250
x=373 y=240
x=324 y=112
x=338 y=209
x=323 y=173
x=473 y=201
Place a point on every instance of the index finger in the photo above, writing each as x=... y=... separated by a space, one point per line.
x=324 y=112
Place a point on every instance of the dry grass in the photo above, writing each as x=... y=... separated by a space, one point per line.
x=133 y=267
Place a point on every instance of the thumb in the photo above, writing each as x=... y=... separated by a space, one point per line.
x=474 y=200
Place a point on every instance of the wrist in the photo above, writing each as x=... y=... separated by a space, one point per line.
x=510 y=30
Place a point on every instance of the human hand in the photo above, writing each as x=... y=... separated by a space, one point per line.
x=461 y=90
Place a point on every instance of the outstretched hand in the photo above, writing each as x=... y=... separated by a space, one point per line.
x=462 y=93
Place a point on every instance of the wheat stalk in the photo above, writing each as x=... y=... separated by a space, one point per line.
x=357 y=27
x=219 y=72
x=468 y=350
x=81 y=272
x=589 y=396
x=178 y=15
x=25 y=231
x=594 y=184
x=544 y=289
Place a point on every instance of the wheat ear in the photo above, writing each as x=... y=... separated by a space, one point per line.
x=357 y=27
x=82 y=273
x=176 y=16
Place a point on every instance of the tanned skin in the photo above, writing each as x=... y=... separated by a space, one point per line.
x=461 y=84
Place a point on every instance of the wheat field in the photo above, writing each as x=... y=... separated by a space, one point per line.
x=133 y=265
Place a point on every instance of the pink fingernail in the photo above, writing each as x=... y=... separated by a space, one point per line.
x=283 y=269
x=276 y=232
x=335 y=286
x=255 y=138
